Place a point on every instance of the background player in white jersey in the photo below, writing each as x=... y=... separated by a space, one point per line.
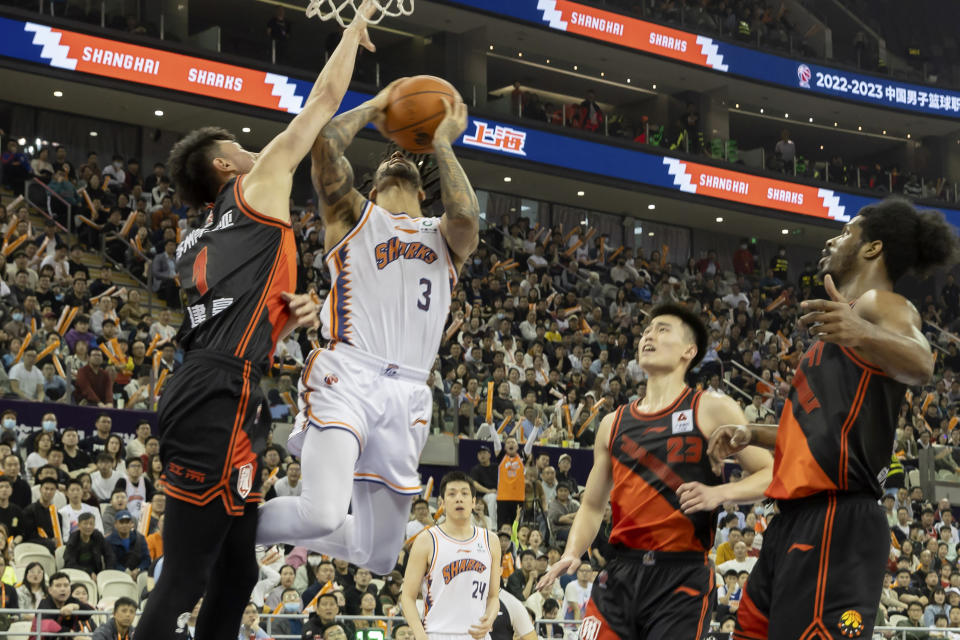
x=364 y=406
x=456 y=567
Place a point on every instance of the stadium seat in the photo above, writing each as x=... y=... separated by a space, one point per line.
x=110 y=575
x=58 y=556
x=82 y=577
x=913 y=478
x=25 y=548
x=378 y=583
x=117 y=589
x=19 y=630
x=142 y=581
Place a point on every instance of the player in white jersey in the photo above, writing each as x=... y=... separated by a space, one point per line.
x=455 y=566
x=364 y=406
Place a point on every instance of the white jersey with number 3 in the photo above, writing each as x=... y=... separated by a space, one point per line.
x=456 y=585
x=391 y=281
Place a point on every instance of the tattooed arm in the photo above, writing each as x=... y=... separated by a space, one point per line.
x=332 y=174
x=460 y=223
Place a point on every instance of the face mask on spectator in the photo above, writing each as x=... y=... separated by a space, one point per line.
x=291 y=607
x=17 y=316
x=9 y=423
x=49 y=425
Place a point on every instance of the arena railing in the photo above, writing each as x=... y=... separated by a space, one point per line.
x=43 y=198
x=377 y=632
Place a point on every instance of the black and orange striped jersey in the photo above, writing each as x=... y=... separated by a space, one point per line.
x=837 y=428
x=233 y=271
x=652 y=455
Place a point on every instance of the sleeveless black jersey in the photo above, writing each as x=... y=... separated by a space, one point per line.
x=837 y=428
x=233 y=271
x=652 y=455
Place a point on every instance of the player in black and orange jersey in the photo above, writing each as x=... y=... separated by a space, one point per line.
x=650 y=458
x=239 y=274
x=821 y=568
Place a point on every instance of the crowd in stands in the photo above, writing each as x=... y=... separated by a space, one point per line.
x=544 y=326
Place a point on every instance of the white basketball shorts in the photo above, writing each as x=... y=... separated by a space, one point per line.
x=385 y=406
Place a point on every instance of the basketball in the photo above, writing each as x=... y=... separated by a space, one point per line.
x=415 y=110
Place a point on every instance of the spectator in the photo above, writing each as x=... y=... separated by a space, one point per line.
x=38 y=523
x=70 y=513
x=250 y=624
x=163 y=274
x=484 y=476
x=87 y=548
x=11 y=515
x=104 y=479
x=41 y=167
x=58 y=597
x=591 y=115
x=914 y=620
x=26 y=380
x=16 y=167
x=94 y=385
x=561 y=513
x=577 y=593
x=120 y=626
x=278 y=28
x=740 y=562
x=355 y=592
x=129 y=547
x=522 y=583
x=422 y=519
x=21 y=496
x=54 y=386
x=33 y=589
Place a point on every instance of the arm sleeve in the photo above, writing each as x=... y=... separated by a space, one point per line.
x=519 y=618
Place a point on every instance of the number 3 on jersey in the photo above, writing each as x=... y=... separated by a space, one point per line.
x=684 y=449
x=427 y=286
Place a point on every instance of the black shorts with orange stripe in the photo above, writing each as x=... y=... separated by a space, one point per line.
x=650 y=595
x=820 y=571
x=214 y=422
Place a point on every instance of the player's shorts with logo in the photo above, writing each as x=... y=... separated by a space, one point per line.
x=214 y=423
x=650 y=595
x=820 y=572
x=385 y=406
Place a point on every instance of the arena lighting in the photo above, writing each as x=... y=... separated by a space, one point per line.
x=884 y=132
x=158 y=113
x=519 y=54
x=58 y=94
x=651 y=206
x=785 y=231
x=94 y=134
x=761 y=109
x=581 y=193
x=821 y=147
x=507 y=179
x=21 y=141
x=859 y=128
x=786 y=115
x=601 y=74
x=654 y=85
x=245 y=129
x=548 y=60
x=811 y=120
x=651 y=234
x=574 y=67
x=908 y=136
x=628 y=80
x=736 y=106
x=491 y=47
x=719 y=219
x=834 y=124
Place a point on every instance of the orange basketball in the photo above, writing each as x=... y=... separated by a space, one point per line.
x=416 y=109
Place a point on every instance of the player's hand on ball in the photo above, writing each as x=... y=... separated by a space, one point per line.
x=453 y=124
x=566 y=564
x=304 y=309
x=833 y=320
x=695 y=496
x=483 y=626
x=725 y=441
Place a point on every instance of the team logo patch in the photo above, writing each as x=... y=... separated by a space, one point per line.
x=851 y=624
x=330 y=379
x=390 y=370
x=682 y=421
x=245 y=480
x=602 y=579
x=590 y=628
x=803 y=76
x=209 y=220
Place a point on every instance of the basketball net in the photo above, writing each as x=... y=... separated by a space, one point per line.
x=345 y=11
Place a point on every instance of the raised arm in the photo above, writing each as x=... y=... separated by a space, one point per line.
x=460 y=224
x=280 y=158
x=882 y=327
x=586 y=524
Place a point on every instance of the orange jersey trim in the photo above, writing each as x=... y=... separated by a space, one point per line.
x=364 y=217
x=863 y=364
x=379 y=478
x=848 y=424
x=258 y=310
x=252 y=213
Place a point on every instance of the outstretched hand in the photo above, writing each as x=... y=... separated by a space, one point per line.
x=833 y=320
x=566 y=564
x=364 y=13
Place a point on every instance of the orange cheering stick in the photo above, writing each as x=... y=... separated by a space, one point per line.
x=23 y=347
x=489 y=414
